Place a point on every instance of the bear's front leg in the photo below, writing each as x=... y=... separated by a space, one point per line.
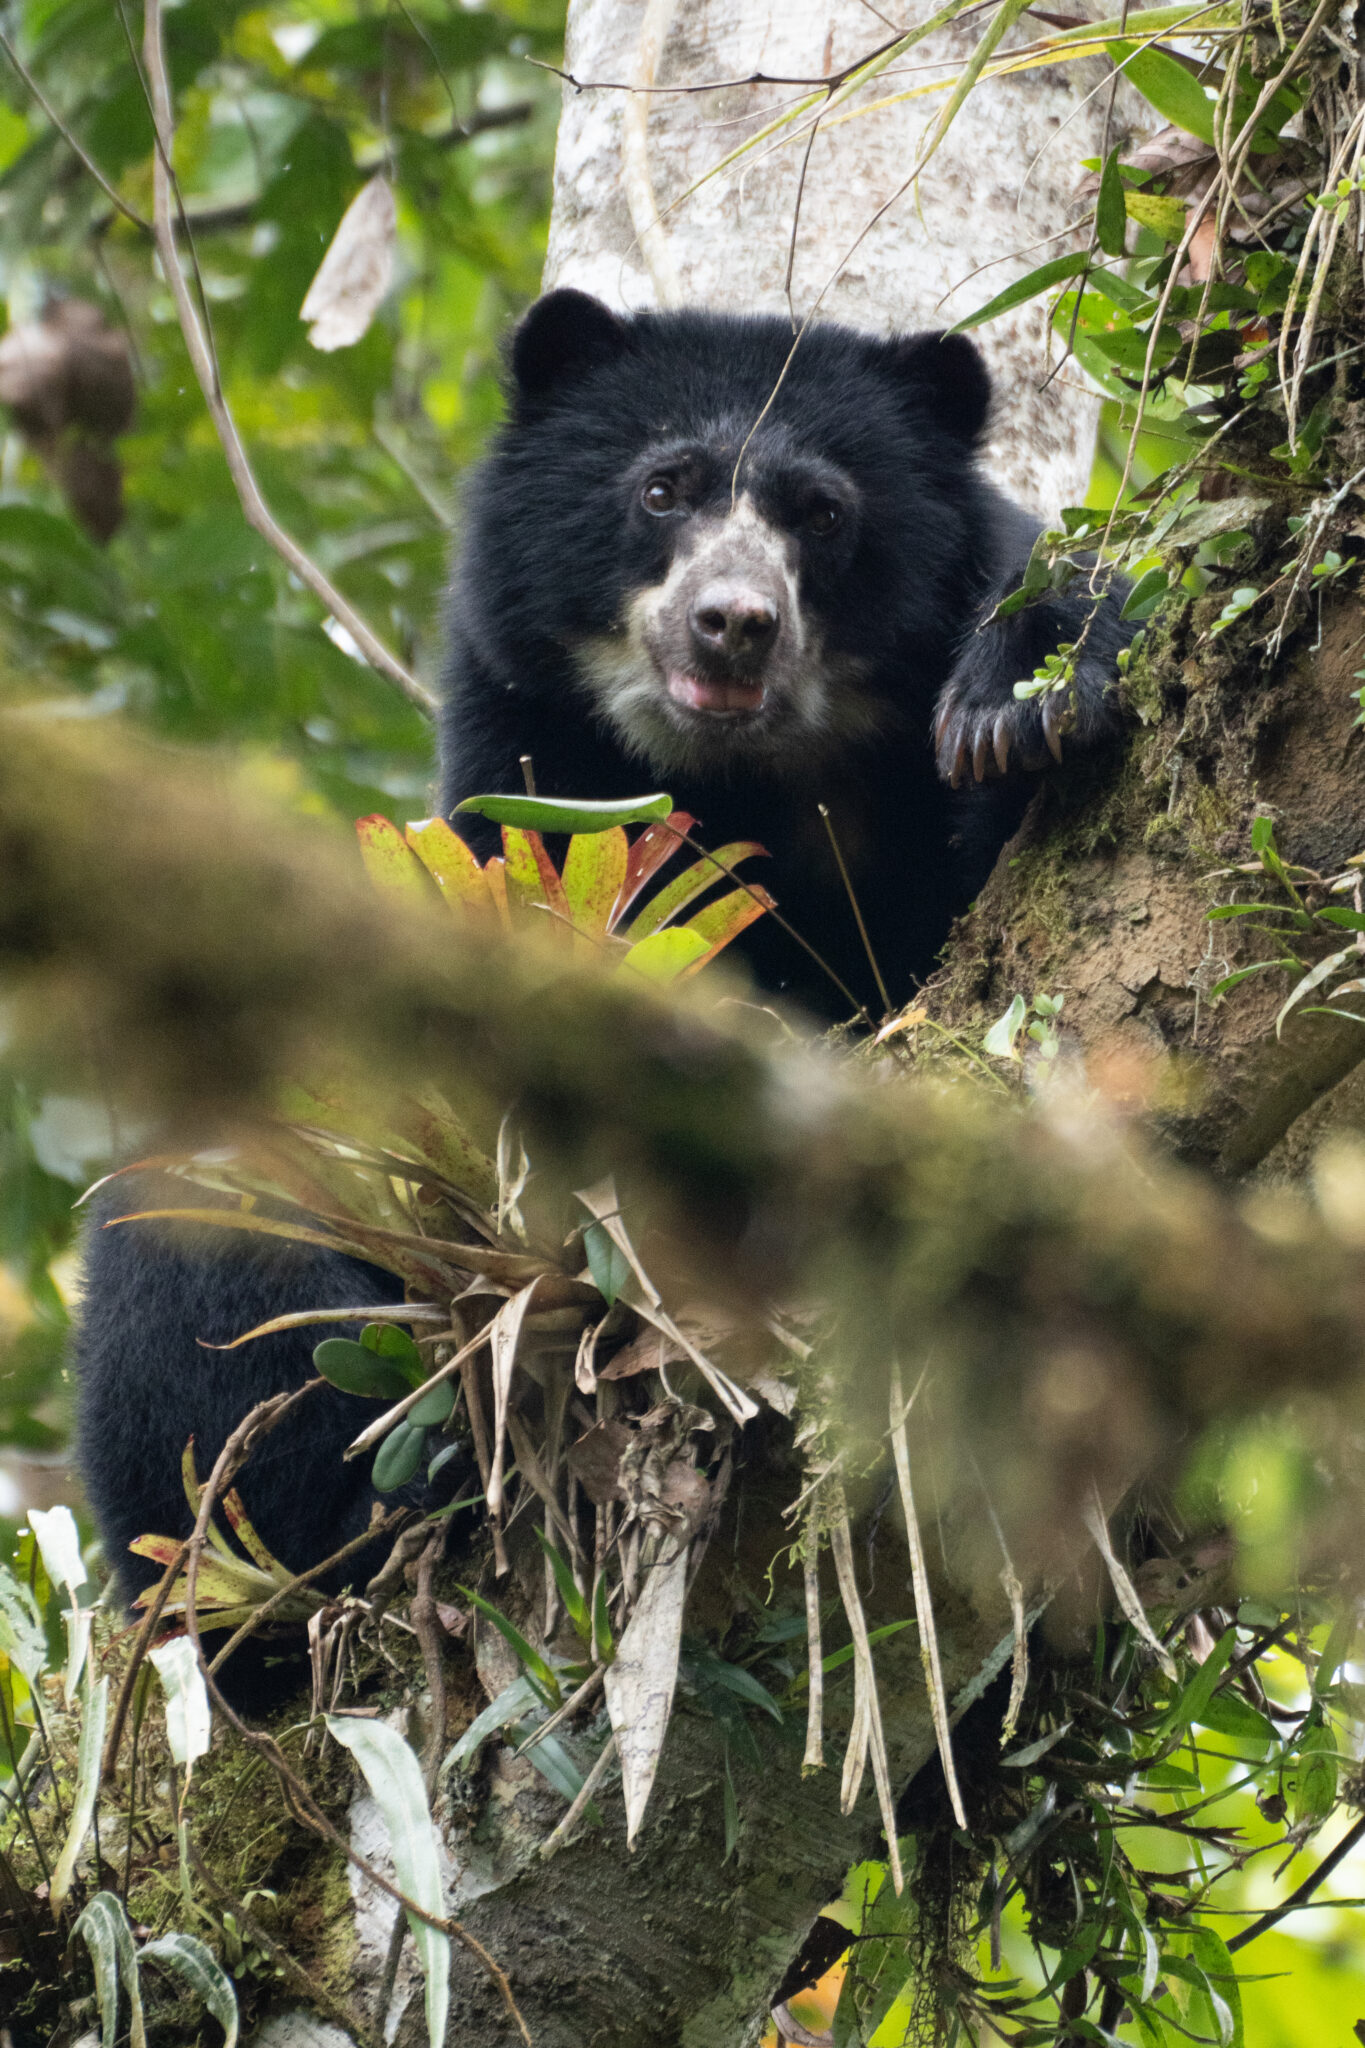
x=981 y=728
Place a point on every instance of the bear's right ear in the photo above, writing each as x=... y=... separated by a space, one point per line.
x=949 y=370
x=561 y=338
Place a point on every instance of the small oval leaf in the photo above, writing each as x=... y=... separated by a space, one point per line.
x=356 y=1369
x=568 y=814
x=433 y=1408
x=398 y=1457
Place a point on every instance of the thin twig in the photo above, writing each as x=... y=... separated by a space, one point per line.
x=560 y=1835
x=265 y=1416
x=578 y=1698
x=267 y=1608
x=423 y=1616
x=72 y=142
x=1298 y=1898
x=257 y=513
x=847 y=881
x=143 y=1638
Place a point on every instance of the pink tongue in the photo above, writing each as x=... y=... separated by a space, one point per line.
x=708 y=693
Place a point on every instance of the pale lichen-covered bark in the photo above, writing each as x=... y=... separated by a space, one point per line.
x=996 y=198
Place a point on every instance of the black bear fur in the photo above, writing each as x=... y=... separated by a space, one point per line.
x=559 y=549
x=870 y=552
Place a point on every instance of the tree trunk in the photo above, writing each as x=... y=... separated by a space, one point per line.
x=681 y=1938
x=773 y=231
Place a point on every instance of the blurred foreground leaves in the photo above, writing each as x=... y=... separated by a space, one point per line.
x=1088 y=1311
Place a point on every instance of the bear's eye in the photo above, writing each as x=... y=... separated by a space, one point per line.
x=660 y=495
x=823 y=515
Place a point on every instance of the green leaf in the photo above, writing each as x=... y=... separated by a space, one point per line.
x=202 y=1972
x=608 y=1264
x=449 y=862
x=1222 y=911
x=104 y=1929
x=1111 y=219
x=1170 y=88
x=1314 y=979
x=663 y=956
x=1146 y=594
x=838 y=1658
x=734 y=1678
x=398 y=1456
x=1165 y=217
x=22 y=1638
x=541 y=1673
x=1336 y=1650
x=1227 y=1713
x=718 y=923
x=394 y=1776
x=685 y=888
x=575 y=1606
x=391 y=1340
x=594 y=870
x=389 y=861
x=1025 y=288
x=359 y=1369
x=434 y=1407
x=512 y=1704
x=1210 y=1952
x=559 y=1771
x=1315 y=1773
x=568 y=814
x=1189 y=1703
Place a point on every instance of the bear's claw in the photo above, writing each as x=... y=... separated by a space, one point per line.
x=1021 y=737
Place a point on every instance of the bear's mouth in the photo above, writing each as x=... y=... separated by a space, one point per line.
x=716 y=696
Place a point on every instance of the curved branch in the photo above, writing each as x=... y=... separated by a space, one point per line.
x=258 y=514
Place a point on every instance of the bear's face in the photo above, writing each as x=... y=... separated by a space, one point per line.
x=717 y=531
x=718 y=653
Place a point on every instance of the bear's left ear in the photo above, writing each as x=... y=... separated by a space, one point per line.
x=561 y=338
x=948 y=371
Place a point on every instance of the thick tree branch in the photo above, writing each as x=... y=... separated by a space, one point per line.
x=213 y=951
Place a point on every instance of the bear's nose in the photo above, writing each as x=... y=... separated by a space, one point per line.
x=735 y=621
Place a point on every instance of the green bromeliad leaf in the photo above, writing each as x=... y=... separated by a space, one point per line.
x=569 y=814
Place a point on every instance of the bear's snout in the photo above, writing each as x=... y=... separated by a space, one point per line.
x=734 y=623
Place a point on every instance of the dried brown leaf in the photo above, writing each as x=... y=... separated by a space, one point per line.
x=355 y=275
x=595 y=1461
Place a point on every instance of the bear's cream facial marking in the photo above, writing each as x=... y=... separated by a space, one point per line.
x=721 y=660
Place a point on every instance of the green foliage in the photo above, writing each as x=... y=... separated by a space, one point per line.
x=1132 y=1854
x=1298 y=918
x=187 y=619
x=187 y=622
